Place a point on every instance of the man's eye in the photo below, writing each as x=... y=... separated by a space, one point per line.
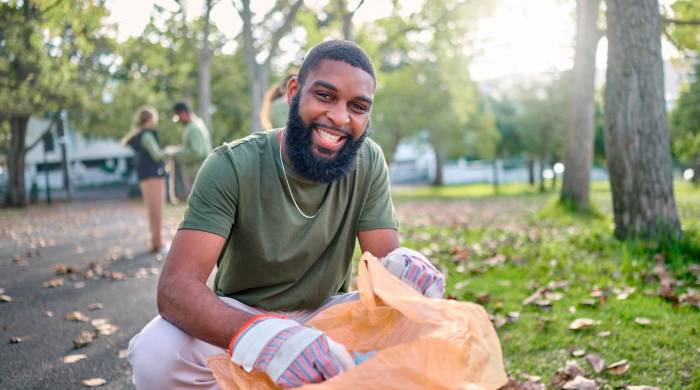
x=323 y=96
x=359 y=108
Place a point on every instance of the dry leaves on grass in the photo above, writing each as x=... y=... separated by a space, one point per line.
x=580 y=383
x=93 y=382
x=596 y=362
x=642 y=388
x=642 y=321
x=618 y=368
x=582 y=323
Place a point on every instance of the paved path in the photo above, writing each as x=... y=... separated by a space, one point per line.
x=107 y=238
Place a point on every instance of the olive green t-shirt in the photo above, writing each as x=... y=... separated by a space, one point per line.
x=274 y=258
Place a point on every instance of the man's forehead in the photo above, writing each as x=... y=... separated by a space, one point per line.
x=341 y=75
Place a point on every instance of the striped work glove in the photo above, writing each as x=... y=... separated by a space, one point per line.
x=291 y=354
x=416 y=270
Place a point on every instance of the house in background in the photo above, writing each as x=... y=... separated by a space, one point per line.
x=92 y=162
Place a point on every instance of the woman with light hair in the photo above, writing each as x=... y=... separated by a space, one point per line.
x=149 y=163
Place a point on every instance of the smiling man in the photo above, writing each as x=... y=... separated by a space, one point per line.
x=279 y=212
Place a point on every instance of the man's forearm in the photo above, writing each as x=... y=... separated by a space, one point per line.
x=191 y=306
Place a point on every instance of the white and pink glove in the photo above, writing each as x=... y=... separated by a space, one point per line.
x=291 y=354
x=415 y=269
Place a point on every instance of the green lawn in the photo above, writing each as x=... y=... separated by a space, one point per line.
x=501 y=266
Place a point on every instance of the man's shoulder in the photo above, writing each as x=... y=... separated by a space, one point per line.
x=370 y=153
x=255 y=140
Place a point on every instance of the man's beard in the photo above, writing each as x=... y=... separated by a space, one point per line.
x=297 y=142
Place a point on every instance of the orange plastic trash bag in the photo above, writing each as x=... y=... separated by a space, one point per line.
x=421 y=343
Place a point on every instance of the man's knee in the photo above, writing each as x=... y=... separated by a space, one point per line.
x=153 y=353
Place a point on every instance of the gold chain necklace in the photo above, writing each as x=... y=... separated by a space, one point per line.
x=290 y=188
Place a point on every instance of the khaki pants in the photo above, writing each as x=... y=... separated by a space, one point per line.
x=153 y=191
x=164 y=357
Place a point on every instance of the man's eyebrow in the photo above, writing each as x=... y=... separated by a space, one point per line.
x=332 y=87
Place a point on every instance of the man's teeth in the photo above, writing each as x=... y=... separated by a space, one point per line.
x=328 y=136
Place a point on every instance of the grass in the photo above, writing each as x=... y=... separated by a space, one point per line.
x=552 y=245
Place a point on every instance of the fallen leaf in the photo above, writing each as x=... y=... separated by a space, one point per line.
x=604 y=333
x=572 y=309
x=116 y=275
x=77 y=317
x=580 y=383
x=55 y=282
x=618 y=368
x=93 y=382
x=5 y=298
x=16 y=340
x=589 y=302
x=499 y=321
x=62 y=269
x=534 y=297
x=107 y=329
x=596 y=362
x=49 y=313
x=642 y=321
x=513 y=316
x=642 y=388
x=74 y=358
x=95 y=306
x=84 y=339
x=578 y=352
x=553 y=296
x=581 y=323
x=79 y=284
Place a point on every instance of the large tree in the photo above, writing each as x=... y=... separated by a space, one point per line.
x=259 y=52
x=636 y=127
x=685 y=125
x=578 y=156
x=48 y=56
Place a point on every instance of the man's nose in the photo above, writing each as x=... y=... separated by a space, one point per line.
x=339 y=115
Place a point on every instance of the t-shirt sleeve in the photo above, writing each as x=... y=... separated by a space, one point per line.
x=212 y=205
x=378 y=212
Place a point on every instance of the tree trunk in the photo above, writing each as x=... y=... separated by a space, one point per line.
x=636 y=127
x=205 y=57
x=696 y=169
x=540 y=174
x=438 y=181
x=579 y=142
x=531 y=171
x=256 y=91
x=16 y=194
x=346 y=19
x=495 y=175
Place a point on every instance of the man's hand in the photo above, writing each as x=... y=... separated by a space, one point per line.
x=291 y=354
x=416 y=270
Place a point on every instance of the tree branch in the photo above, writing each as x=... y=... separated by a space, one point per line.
x=356 y=8
x=56 y=115
x=685 y=22
x=279 y=33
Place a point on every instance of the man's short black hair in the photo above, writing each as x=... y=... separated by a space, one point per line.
x=337 y=50
x=181 y=107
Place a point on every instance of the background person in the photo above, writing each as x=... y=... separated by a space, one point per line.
x=150 y=170
x=274 y=110
x=196 y=144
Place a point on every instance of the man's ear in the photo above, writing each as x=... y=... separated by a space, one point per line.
x=292 y=86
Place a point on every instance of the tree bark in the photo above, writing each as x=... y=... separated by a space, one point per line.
x=531 y=171
x=439 y=180
x=636 y=127
x=579 y=142
x=16 y=194
x=204 y=71
x=259 y=73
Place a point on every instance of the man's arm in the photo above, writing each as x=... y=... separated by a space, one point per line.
x=378 y=242
x=183 y=297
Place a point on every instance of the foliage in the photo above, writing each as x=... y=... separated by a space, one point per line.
x=683 y=29
x=51 y=55
x=504 y=262
x=160 y=67
x=685 y=121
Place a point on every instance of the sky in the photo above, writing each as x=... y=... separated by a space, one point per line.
x=518 y=37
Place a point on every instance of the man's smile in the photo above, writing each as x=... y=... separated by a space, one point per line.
x=326 y=140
